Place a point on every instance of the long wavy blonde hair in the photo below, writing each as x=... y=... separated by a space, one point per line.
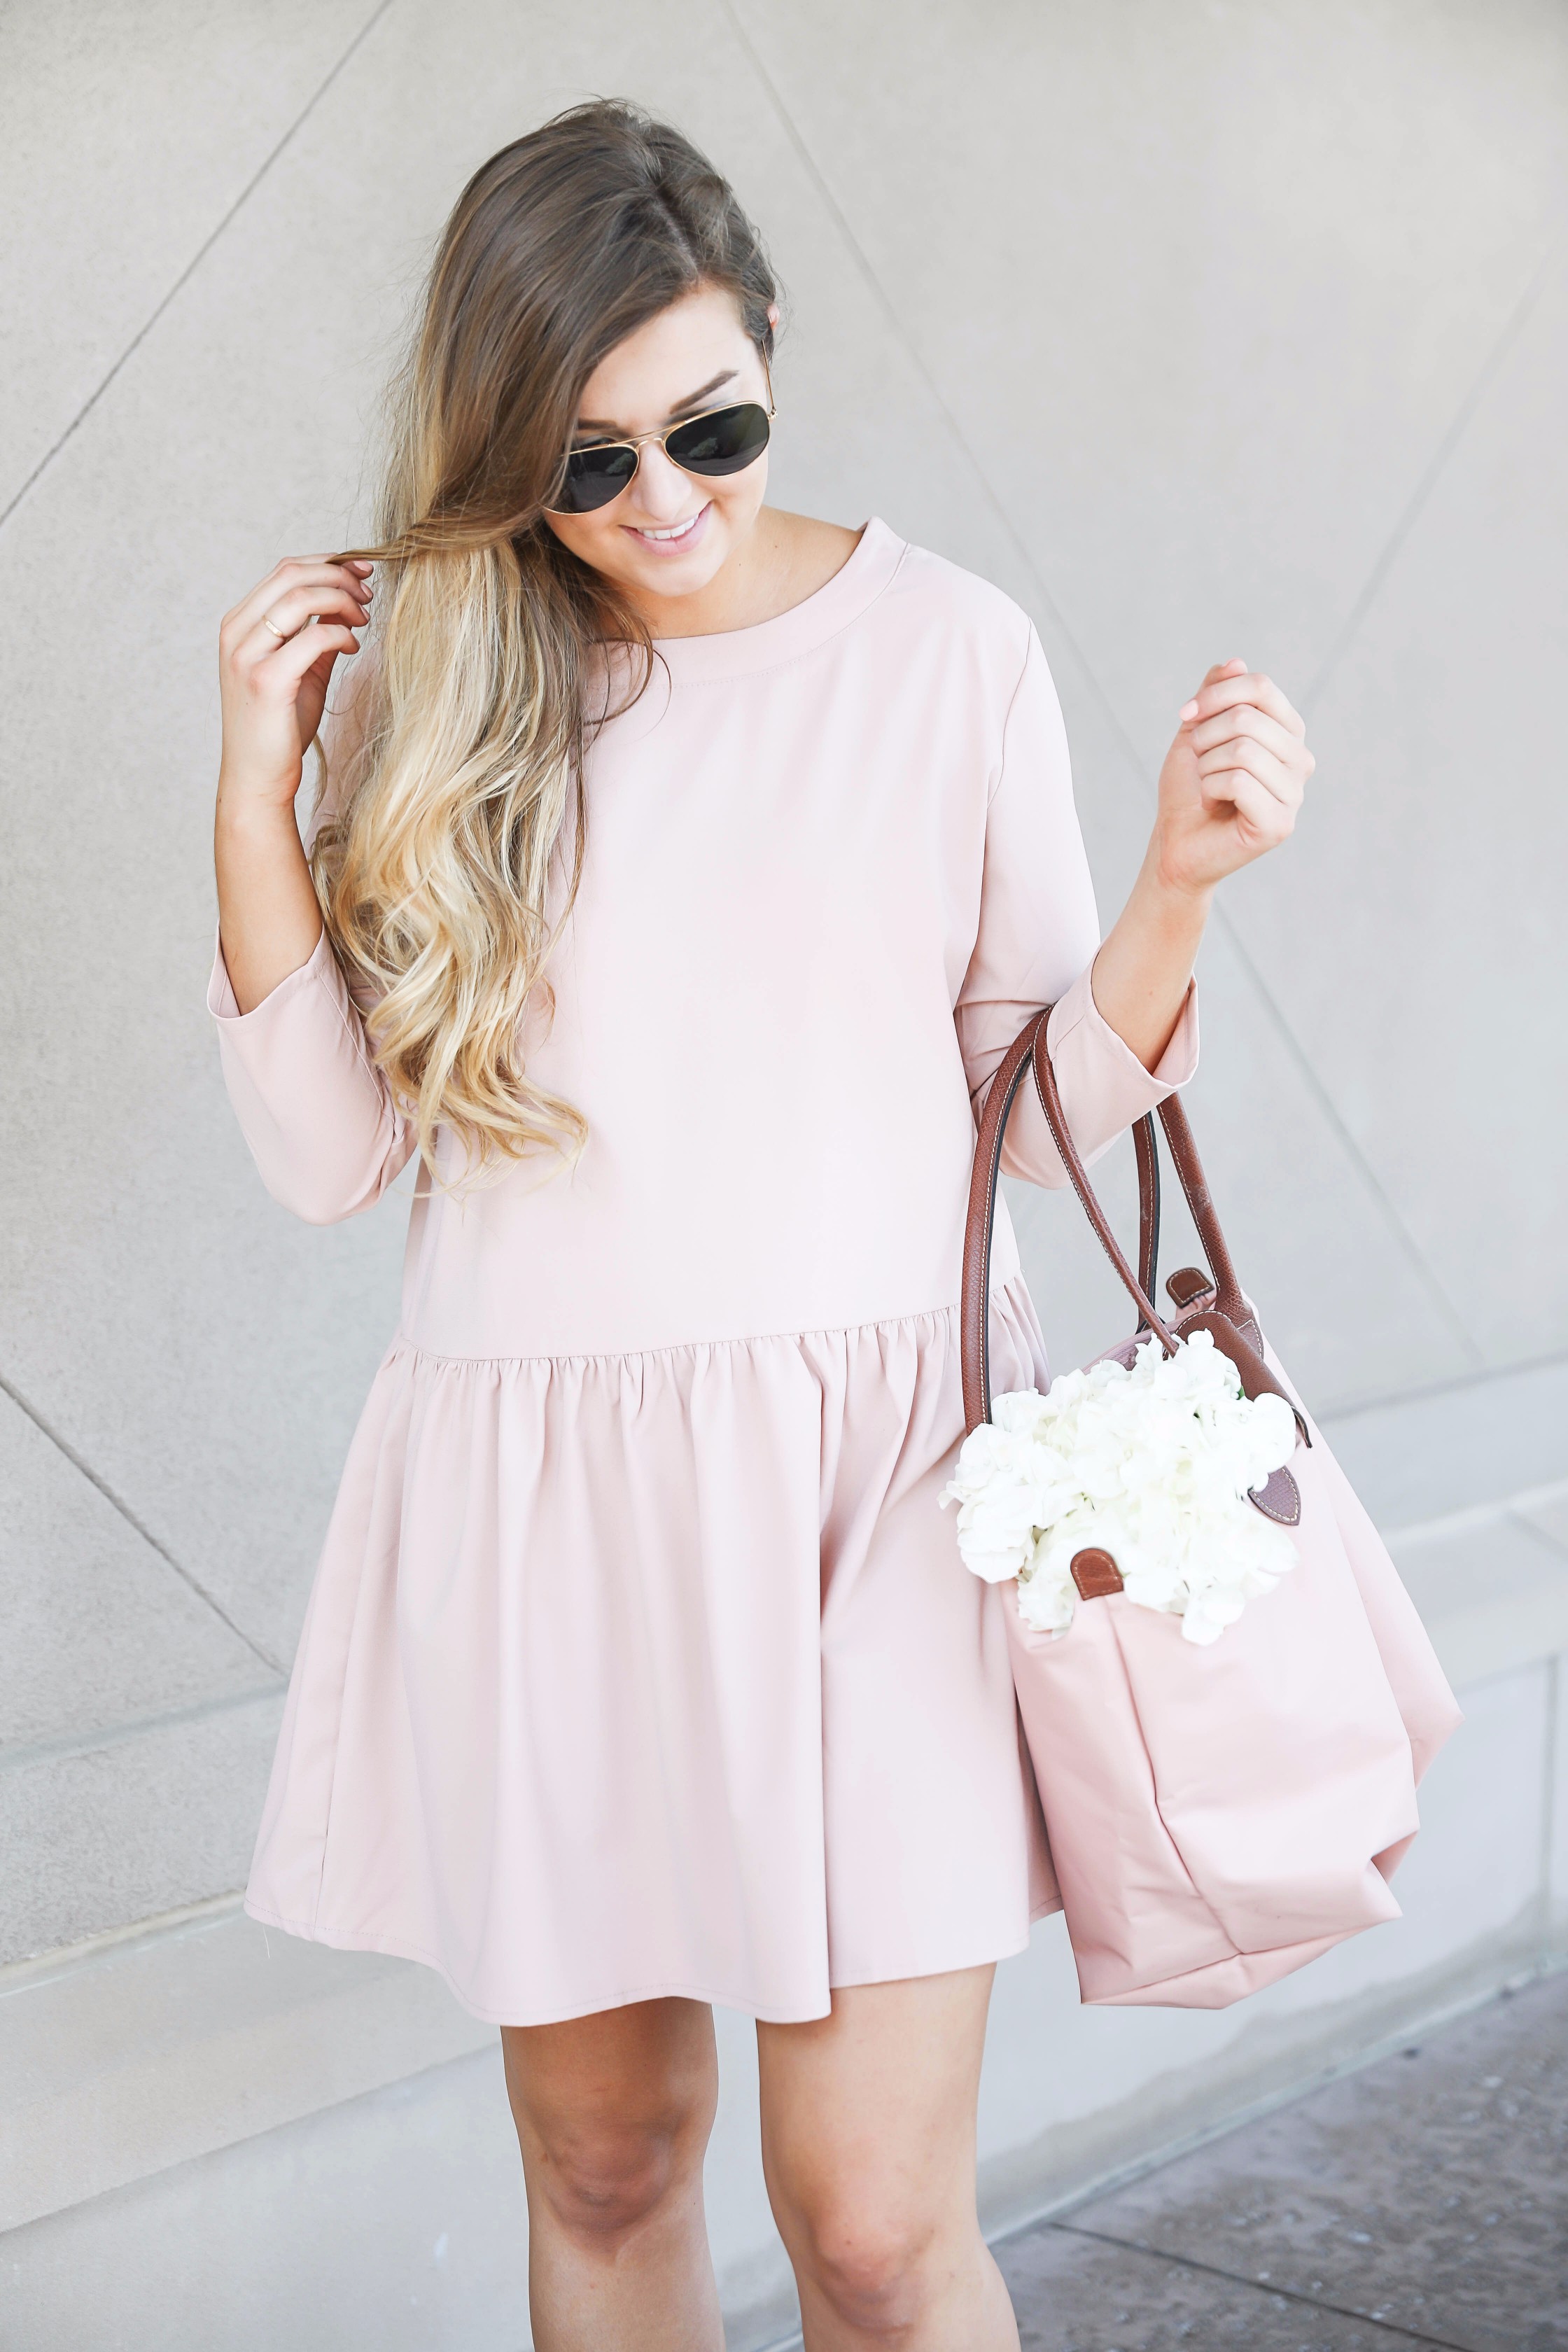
x=454 y=842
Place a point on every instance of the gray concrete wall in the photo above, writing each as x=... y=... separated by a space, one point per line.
x=1202 y=328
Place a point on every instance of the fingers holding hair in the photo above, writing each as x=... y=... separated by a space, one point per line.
x=287 y=582
x=280 y=623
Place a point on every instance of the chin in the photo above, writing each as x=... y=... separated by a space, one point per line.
x=680 y=575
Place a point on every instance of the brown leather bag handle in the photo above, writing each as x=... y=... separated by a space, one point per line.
x=975 y=1296
x=1147 y=1153
x=1150 y=1318
x=1183 y=1151
x=1228 y=1298
x=1028 y=1051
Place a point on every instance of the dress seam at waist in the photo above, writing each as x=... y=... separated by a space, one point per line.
x=403 y=1345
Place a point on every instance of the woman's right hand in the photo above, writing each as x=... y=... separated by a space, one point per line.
x=277 y=652
x=274 y=682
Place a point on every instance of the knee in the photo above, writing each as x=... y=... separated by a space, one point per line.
x=602 y=2185
x=871 y=2268
x=613 y=2115
x=607 y=2164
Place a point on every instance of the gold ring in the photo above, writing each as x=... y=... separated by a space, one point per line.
x=282 y=636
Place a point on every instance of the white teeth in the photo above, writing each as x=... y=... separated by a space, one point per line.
x=675 y=530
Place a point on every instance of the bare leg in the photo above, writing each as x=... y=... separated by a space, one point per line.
x=868 y=2147
x=613 y=2114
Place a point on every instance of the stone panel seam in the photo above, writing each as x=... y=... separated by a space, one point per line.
x=862 y=262
x=1431 y=1390
x=117 y=1501
x=137 y=1726
x=65 y=1960
x=1512 y=329
x=1475 y=1518
x=1405 y=1241
x=1389 y=2327
x=47 y=459
x=1542 y=1542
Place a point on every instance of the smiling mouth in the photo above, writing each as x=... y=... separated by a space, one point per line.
x=672 y=535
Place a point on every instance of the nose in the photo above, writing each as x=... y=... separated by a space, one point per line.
x=660 y=490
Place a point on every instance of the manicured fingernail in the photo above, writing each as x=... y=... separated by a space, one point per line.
x=1189 y=710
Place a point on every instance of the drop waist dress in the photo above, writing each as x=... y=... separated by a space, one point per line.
x=640 y=1659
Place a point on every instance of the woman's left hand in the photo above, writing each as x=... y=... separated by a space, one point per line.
x=1232 y=782
x=1230 y=788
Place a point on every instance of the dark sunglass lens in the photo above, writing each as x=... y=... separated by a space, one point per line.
x=594 y=477
x=724 y=443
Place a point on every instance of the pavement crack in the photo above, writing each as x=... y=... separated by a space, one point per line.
x=1389 y=2327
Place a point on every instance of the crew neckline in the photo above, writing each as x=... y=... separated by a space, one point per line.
x=732 y=653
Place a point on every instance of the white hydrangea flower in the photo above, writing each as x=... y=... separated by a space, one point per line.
x=1152 y=1464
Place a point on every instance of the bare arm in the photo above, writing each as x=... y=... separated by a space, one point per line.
x=1229 y=791
x=277 y=649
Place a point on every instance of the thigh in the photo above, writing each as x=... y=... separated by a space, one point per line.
x=875 y=2104
x=602 y=2088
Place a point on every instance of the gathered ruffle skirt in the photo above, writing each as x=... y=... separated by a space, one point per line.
x=659 y=1674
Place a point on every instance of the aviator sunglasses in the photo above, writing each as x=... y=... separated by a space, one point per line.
x=720 y=441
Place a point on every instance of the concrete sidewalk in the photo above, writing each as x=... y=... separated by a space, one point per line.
x=1423 y=2201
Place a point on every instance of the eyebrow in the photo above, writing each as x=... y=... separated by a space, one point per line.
x=693 y=400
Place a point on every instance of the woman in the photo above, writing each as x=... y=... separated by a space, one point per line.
x=682 y=870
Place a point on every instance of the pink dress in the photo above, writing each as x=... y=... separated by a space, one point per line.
x=640 y=1659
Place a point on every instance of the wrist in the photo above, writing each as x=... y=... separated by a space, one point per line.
x=243 y=808
x=1167 y=887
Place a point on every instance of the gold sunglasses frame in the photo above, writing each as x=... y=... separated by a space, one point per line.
x=636 y=443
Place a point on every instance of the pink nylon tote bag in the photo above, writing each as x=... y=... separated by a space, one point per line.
x=1218 y=1814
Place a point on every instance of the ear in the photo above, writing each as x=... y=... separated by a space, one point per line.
x=773 y=314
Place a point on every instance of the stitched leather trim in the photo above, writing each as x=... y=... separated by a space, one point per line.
x=1278 y=1498
x=1095 y=1573
x=1189 y=1284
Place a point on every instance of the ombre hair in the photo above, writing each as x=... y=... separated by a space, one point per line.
x=460 y=812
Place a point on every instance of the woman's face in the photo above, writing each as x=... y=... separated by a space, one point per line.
x=669 y=533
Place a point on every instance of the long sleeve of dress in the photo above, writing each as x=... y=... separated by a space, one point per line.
x=1037 y=940
x=317 y=1113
